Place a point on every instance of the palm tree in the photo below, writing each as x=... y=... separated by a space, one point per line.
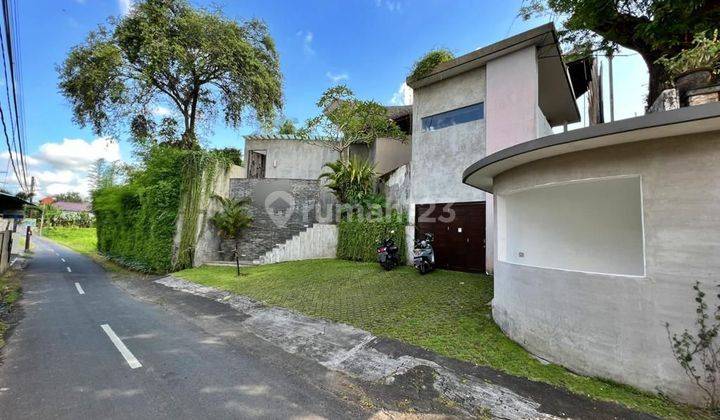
x=350 y=181
x=231 y=220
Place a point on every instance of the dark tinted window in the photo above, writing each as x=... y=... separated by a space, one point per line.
x=454 y=117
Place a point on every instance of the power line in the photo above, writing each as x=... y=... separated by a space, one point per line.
x=18 y=137
x=20 y=85
x=12 y=63
x=9 y=104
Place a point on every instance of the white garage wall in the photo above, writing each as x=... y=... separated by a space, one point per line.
x=590 y=225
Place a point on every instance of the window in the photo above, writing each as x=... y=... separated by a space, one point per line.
x=589 y=225
x=454 y=117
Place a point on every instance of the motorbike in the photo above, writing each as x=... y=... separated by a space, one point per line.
x=424 y=254
x=388 y=254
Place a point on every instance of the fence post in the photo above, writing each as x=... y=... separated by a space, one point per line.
x=28 y=234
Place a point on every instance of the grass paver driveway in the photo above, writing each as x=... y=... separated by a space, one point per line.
x=446 y=312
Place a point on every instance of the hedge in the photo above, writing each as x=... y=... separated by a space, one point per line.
x=359 y=237
x=136 y=221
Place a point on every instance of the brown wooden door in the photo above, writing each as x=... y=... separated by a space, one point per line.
x=459 y=231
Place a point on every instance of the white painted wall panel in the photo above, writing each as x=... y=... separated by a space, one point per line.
x=593 y=226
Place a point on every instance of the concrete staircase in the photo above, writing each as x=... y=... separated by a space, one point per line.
x=262 y=236
x=318 y=241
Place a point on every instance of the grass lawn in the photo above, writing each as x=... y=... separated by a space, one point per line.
x=447 y=312
x=83 y=240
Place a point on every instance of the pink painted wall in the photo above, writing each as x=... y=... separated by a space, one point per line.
x=511 y=113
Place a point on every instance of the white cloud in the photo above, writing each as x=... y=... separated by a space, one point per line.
x=125 y=6
x=393 y=6
x=161 y=111
x=337 y=77
x=61 y=166
x=60 y=188
x=29 y=160
x=63 y=176
x=403 y=96
x=78 y=154
x=307 y=40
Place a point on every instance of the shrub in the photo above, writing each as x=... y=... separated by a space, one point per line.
x=136 y=222
x=698 y=353
x=352 y=182
x=358 y=236
x=231 y=221
x=425 y=65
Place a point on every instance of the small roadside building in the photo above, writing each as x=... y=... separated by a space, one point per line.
x=12 y=207
x=601 y=234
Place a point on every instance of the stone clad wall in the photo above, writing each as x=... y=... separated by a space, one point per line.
x=281 y=209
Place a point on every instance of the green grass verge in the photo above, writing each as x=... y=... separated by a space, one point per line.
x=9 y=294
x=447 y=312
x=83 y=240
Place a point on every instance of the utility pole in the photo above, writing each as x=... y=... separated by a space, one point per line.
x=612 y=92
x=32 y=188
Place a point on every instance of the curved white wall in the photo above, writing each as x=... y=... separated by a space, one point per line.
x=611 y=325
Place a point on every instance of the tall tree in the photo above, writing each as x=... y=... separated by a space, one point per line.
x=102 y=174
x=346 y=120
x=165 y=52
x=653 y=28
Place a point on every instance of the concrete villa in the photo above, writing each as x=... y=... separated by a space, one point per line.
x=601 y=233
x=595 y=236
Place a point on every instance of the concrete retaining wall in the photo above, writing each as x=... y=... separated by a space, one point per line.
x=612 y=326
x=318 y=241
x=208 y=241
x=396 y=188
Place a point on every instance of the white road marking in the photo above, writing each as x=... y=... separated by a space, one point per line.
x=69 y=270
x=79 y=288
x=129 y=358
x=62 y=259
x=13 y=261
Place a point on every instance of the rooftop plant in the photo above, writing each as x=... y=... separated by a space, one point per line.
x=425 y=65
x=346 y=120
x=705 y=54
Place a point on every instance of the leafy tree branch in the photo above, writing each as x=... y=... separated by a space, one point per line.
x=167 y=52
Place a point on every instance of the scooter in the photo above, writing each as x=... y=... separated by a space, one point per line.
x=424 y=254
x=388 y=254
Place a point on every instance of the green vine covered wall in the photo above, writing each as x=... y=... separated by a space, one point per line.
x=149 y=223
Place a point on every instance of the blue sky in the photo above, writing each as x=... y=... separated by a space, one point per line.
x=368 y=44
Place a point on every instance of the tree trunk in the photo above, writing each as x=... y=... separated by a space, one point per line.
x=188 y=141
x=658 y=78
x=237 y=258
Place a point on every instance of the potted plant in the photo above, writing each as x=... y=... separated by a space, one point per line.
x=695 y=67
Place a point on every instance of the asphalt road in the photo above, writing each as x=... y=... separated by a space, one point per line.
x=86 y=348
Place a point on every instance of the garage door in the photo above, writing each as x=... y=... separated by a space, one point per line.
x=459 y=230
